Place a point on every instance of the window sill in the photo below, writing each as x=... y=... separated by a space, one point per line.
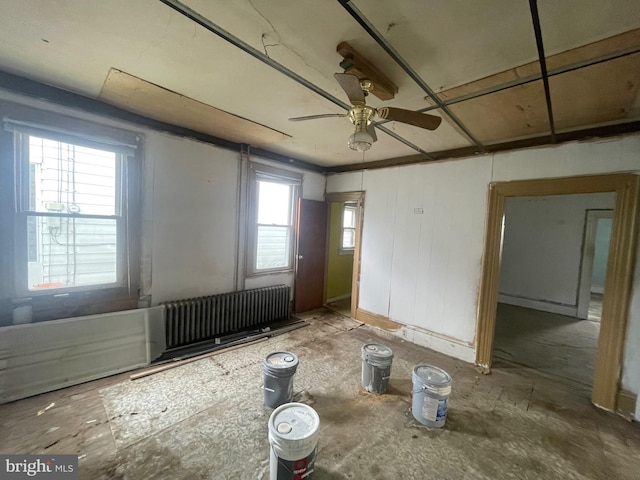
x=269 y=272
x=71 y=304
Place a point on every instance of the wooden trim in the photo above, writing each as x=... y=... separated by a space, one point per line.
x=357 y=197
x=355 y=278
x=463 y=152
x=376 y=320
x=383 y=87
x=617 y=295
x=344 y=196
x=488 y=299
x=626 y=404
x=619 y=278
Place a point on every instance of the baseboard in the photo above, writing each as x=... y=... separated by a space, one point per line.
x=338 y=298
x=626 y=403
x=420 y=336
x=376 y=320
x=560 y=309
x=597 y=289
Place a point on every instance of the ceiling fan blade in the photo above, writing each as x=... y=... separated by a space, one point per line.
x=351 y=86
x=371 y=130
x=422 y=120
x=322 y=115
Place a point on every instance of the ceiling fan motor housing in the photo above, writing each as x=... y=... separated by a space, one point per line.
x=361 y=116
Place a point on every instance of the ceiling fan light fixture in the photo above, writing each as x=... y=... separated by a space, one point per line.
x=360 y=141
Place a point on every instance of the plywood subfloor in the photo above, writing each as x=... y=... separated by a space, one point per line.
x=205 y=420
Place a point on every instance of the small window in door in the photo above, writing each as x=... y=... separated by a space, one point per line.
x=348 y=228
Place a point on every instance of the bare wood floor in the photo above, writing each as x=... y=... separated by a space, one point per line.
x=557 y=345
x=205 y=420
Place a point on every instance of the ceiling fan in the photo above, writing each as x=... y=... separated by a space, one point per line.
x=361 y=115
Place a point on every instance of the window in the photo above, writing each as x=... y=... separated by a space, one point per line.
x=348 y=228
x=71 y=206
x=75 y=203
x=274 y=201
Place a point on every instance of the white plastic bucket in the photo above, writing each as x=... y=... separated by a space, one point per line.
x=293 y=436
x=431 y=389
x=278 y=370
x=376 y=367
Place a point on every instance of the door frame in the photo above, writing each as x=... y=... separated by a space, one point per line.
x=619 y=278
x=358 y=198
x=586 y=263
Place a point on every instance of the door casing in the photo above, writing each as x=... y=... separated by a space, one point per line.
x=358 y=198
x=619 y=278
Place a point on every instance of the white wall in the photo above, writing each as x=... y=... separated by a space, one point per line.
x=542 y=250
x=601 y=254
x=194 y=214
x=422 y=269
x=195 y=217
x=433 y=263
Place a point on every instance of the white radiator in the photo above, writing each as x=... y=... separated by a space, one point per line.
x=40 y=357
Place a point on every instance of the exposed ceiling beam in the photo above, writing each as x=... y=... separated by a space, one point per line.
x=207 y=24
x=531 y=78
x=380 y=40
x=258 y=55
x=533 y=6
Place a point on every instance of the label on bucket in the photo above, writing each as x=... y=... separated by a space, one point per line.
x=434 y=409
x=296 y=469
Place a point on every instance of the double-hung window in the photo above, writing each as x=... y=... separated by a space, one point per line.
x=274 y=200
x=75 y=192
x=348 y=241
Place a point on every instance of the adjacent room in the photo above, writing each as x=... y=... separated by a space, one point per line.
x=411 y=225
x=552 y=277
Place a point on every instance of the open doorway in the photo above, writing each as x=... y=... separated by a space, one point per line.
x=620 y=269
x=549 y=244
x=595 y=255
x=344 y=221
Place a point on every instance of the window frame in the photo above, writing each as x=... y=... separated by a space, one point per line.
x=24 y=212
x=260 y=172
x=18 y=123
x=354 y=207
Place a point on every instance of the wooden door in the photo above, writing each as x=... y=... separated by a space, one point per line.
x=310 y=261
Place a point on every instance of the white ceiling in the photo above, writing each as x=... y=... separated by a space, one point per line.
x=73 y=44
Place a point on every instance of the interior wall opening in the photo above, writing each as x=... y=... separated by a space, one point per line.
x=344 y=229
x=607 y=391
x=554 y=256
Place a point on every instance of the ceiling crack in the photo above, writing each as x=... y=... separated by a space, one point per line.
x=266 y=45
x=278 y=39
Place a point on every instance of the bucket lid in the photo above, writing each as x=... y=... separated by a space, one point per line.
x=377 y=350
x=281 y=360
x=432 y=375
x=294 y=421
